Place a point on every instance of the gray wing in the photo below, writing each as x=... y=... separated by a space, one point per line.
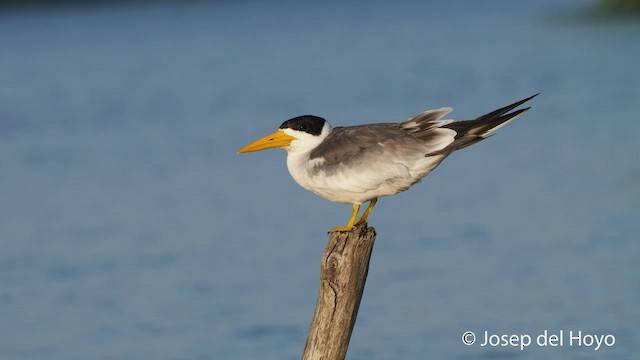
x=373 y=154
x=418 y=135
x=354 y=143
x=376 y=154
x=406 y=151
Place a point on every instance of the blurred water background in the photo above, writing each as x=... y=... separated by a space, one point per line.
x=131 y=229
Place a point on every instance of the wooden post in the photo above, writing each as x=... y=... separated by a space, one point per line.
x=343 y=273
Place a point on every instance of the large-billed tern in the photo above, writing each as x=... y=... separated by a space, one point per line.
x=361 y=163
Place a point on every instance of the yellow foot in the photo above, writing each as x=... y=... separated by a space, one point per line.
x=365 y=215
x=360 y=222
x=349 y=227
x=342 y=229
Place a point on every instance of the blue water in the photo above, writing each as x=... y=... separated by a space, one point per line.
x=131 y=229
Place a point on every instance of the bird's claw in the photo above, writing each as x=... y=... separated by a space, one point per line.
x=360 y=222
x=342 y=229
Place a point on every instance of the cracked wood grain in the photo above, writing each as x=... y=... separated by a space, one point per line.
x=343 y=273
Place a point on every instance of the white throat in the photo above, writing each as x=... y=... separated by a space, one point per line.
x=298 y=154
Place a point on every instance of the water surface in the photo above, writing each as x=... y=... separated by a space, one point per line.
x=131 y=229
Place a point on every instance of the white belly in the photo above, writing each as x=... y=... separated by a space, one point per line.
x=356 y=185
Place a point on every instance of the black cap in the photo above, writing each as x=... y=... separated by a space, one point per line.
x=307 y=123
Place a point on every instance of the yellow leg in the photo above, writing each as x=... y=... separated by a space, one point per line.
x=365 y=215
x=356 y=208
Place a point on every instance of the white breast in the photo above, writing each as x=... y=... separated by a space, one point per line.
x=360 y=184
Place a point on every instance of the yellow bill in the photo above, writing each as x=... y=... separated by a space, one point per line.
x=276 y=140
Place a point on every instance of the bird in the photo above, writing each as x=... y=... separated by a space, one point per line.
x=356 y=164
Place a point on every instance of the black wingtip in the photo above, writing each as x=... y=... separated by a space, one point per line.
x=525 y=100
x=529 y=98
x=503 y=110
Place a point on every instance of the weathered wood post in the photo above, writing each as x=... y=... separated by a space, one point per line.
x=343 y=273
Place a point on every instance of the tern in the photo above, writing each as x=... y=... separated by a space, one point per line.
x=355 y=164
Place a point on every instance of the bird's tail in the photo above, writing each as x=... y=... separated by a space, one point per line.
x=471 y=131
